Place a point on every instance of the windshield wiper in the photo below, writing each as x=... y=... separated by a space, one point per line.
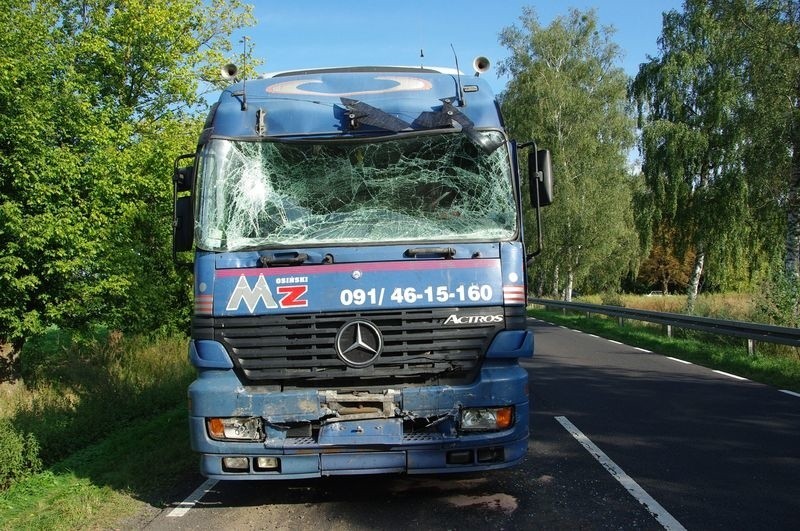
x=450 y=115
x=362 y=113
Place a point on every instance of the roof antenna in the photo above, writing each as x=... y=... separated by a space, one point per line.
x=458 y=74
x=244 y=73
x=421 y=57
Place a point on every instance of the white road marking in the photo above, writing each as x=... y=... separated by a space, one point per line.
x=615 y=342
x=184 y=506
x=643 y=350
x=729 y=375
x=680 y=361
x=594 y=336
x=790 y=393
x=655 y=508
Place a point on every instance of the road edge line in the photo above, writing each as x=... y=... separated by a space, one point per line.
x=729 y=375
x=661 y=515
x=184 y=506
x=680 y=360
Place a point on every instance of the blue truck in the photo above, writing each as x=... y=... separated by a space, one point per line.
x=359 y=275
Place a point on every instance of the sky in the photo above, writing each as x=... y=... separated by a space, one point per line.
x=324 y=33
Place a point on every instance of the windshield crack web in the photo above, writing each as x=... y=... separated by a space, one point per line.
x=422 y=188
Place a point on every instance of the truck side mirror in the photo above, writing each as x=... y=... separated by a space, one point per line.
x=183 y=213
x=183 y=225
x=540 y=178
x=183 y=178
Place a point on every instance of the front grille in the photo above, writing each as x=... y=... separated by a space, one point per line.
x=299 y=349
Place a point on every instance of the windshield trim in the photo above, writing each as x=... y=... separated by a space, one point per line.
x=349 y=136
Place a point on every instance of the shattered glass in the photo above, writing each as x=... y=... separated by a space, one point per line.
x=434 y=187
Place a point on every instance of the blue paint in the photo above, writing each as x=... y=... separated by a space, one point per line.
x=512 y=344
x=362 y=432
x=311 y=104
x=397 y=421
x=205 y=354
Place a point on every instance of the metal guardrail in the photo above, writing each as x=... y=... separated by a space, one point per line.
x=752 y=332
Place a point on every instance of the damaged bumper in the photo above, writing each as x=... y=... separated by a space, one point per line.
x=312 y=433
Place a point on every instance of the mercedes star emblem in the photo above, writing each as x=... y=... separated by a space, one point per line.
x=359 y=343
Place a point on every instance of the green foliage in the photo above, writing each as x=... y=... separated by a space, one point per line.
x=721 y=136
x=778 y=301
x=611 y=298
x=84 y=492
x=568 y=93
x=46 y=351
x=686 y=100
x=96 y=100
x=767 y=44
x=49 y=501
x=19 y=455
x=83 y=387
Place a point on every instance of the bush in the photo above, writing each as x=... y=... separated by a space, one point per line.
x=19 y=455
x=778 y=302
x=65 y=355
x=87 y=386
x=47 y=350
x=611 y=298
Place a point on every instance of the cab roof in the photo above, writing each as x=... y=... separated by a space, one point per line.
x=324 y=101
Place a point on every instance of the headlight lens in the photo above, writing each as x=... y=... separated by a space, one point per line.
x=237 y=429
x=486 y=419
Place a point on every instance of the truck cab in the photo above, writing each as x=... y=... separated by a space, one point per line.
x=359 y=276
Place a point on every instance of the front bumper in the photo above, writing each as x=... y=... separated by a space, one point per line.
x=363 y=446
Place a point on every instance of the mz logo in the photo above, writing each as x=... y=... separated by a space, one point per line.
x=291 y=296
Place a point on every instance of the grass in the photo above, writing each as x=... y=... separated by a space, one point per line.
x=775 y=366
x=105 y=482
x=106 y=416
x=76 y=394
x=736 y=306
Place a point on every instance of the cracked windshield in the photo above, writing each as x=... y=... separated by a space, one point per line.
x=427 y=187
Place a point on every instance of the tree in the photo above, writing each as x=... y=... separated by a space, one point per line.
x=768 y=44
x=663 y=267
x=720 y=115
x=567 y=92
x=687 y=99
x=96 y=99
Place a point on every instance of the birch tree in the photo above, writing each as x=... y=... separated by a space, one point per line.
x=768 y=44
x=688 y=99
x=567 y=92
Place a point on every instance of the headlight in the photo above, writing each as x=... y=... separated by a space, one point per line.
x=487 y=418
x=237 y=429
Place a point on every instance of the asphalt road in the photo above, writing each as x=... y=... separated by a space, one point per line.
x=675 y=445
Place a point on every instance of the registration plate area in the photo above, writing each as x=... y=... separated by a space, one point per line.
x=362 y=432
